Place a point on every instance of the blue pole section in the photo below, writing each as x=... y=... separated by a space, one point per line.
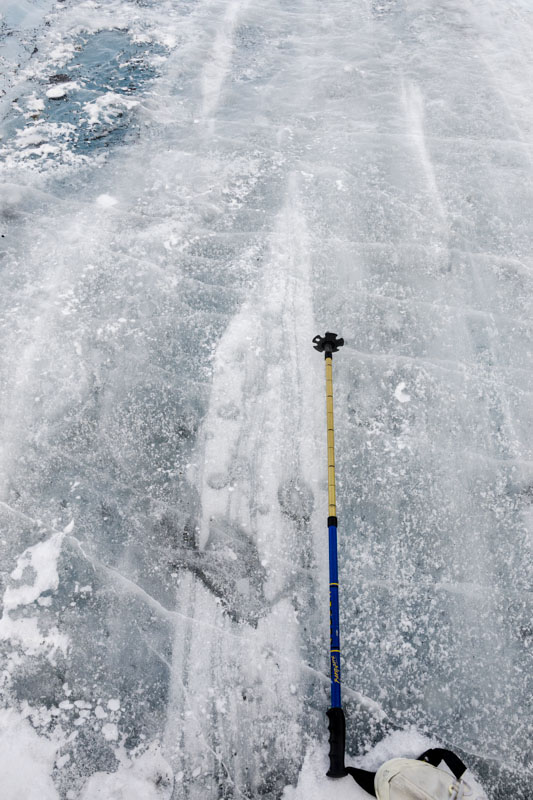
x=335 y=645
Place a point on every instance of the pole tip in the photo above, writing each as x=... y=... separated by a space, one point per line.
x=329 y=343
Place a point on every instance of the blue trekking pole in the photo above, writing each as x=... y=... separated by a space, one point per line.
x=328 y=345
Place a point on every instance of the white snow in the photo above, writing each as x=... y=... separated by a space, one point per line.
x=26 y=760
x=56 y=92
x=106 y=200
x=41 y=561
x=32 y=135
x=107 y=107
x=62 y=53
x=110 y=732
x=147 y=777
x=35 y=573
x=400 y=394
x=314 y=785
x=35 y=104
x=60 y=90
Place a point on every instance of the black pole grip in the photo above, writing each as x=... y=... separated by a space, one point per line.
x=337 y=736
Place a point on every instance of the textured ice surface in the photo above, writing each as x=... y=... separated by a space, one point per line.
x=189 y=192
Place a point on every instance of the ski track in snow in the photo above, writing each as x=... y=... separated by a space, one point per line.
x=218 y=62
x=257 y=441
x=414 y=105
x=266 y=172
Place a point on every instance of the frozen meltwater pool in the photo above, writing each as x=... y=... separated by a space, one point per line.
x=87 y=104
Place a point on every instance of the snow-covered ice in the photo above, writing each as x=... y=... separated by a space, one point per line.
x=26 y=759
x=189 y=193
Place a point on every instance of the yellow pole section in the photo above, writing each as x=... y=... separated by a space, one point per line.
x=331 y=439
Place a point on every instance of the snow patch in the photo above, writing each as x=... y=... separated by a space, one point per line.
x=33 y=144
x=405 y=744
x=26 y=760
x=148 y=777
x=35 y=104
x=42 y=559
x=36 y=573
x=108 y=107
x=62 y=53
x=314 y=785
x=27 y=634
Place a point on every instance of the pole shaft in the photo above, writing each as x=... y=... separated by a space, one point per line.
x=335 y=647
x=332 y=507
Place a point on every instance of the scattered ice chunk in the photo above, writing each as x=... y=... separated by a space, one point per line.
x=400 y=394
x=56 y=92
x=108 y=107
x=62 y=53
x=110 y=732
x=113 y=704
x=141 y=38
x=35 y=104
x=106 y=201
